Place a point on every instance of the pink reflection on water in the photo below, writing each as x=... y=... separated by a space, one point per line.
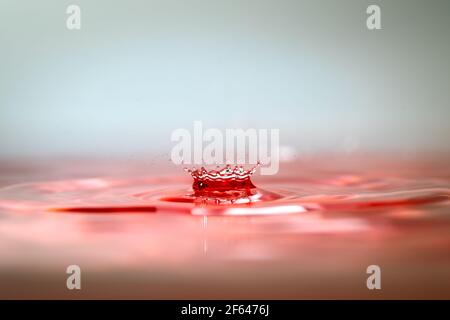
x=309 y=223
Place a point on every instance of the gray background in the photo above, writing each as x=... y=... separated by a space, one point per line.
x=139 y=69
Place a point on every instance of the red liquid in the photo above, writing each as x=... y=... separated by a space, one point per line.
x=277 y=237
x=229 y=183
x=230 y=191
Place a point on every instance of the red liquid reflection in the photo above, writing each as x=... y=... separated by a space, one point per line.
x=230 y=191
x=315 y=220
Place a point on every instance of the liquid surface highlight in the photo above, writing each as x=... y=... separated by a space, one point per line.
x=281 y=237
x=228 y=191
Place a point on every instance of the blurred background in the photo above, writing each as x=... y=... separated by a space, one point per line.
x=374 y=102
x=137 y=70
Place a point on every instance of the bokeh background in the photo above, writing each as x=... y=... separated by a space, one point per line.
x=365 y=113
x=139 y=69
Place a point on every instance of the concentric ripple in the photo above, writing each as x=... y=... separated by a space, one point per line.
x=173 y=195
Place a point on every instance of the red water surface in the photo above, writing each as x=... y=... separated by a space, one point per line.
x=152 y=230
